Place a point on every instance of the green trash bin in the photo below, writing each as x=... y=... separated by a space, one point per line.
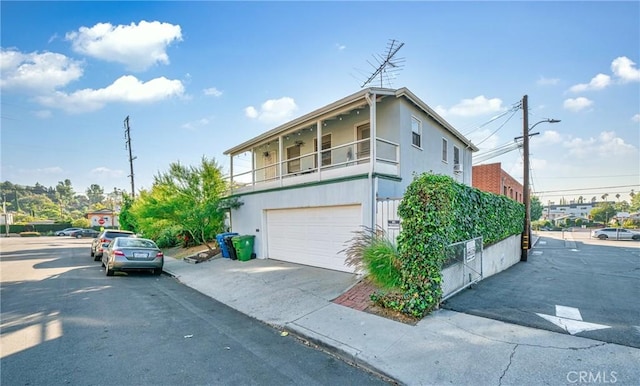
x=244 y=246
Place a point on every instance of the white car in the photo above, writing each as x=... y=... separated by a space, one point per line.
x=615 y=234
x=67 y=231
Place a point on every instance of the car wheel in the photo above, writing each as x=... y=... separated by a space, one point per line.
x=78 y=236
x=108 y=271
x=157 y=271
x=92 y=252
x=602 y=237
x=97 y=258
x=635 y=237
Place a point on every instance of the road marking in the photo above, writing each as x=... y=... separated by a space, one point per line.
x=542 y=242
x=536 y=253
x=568 y=312
x=570 y=320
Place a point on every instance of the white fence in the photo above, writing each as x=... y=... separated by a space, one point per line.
x=387 y=217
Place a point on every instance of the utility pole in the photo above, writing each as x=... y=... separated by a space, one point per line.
x=526 y=234
x=127 y=136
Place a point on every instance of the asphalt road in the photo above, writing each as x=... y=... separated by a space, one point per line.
x=64 y=322
x=599 y=279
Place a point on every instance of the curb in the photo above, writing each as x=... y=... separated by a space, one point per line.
x=337 y=349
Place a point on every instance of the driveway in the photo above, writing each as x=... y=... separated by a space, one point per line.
x=571 y=284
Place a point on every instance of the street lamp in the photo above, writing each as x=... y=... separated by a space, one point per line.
x=526 y=234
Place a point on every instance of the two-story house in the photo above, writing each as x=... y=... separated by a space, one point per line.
x=307 y=185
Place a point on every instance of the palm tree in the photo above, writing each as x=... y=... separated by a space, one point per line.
x=580 y=200
x=618 y=196
x=604 y=196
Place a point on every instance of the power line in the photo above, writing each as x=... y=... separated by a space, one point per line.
x=582 y=189
x=514 y=107
x=500 y=127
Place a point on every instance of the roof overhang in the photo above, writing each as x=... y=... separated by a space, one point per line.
x=345 y=104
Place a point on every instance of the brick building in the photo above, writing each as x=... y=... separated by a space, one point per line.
x=491 y=178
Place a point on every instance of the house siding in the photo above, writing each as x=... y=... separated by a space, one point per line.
x=250 y=218
x=344 y=183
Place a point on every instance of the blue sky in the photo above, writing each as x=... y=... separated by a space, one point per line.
x=197 y=78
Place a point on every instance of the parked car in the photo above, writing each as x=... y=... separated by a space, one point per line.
x=615 y=234
x=99 y=243
x=67 y=231
x=132 y=253
x=84 y=233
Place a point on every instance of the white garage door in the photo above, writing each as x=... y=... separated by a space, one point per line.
x=312 y=236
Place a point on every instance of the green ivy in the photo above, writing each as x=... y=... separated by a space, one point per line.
x=437 y=211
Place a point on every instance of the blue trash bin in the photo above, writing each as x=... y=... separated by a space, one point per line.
x=223 y=246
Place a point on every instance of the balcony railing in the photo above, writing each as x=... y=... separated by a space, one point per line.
x=339 y=161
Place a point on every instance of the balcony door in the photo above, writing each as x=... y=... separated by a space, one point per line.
x=364 y=147
x=293 y=154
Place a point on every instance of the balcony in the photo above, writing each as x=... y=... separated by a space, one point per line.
x=295 y=159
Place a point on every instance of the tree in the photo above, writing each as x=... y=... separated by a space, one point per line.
x=184 y=196
x=96 y=194
x=65 y=191
x=603 y=212
x=39 y=207
x=635 y=202
x=126 y=218
x=604 y=196
x=536 y=208
x=580 y=200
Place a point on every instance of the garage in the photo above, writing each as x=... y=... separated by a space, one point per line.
x=312 y=236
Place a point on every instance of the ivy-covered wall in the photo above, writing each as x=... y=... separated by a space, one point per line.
x=437 y=211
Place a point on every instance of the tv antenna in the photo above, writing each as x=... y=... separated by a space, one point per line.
x=388 y=66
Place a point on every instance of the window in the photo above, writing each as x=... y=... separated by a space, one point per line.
x=456 y=155
x=445 y=156
x=416 y=132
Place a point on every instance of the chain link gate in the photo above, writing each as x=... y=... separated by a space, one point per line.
x=463 y=266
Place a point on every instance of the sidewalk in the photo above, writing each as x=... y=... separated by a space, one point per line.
x=446 y=347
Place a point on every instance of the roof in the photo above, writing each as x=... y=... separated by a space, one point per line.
x=350 y=100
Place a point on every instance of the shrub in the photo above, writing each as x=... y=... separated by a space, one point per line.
x=436 y=211
x=372 y=251
x=29 y=234
x=168 y=237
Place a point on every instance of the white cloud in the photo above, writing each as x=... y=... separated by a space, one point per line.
x=136 y=46
x=340 y=47
x=598 y=82
x=251 y=112
x=195 y=124
x=43 y=114
x=577 y=104
x=636 y=118
x=607 y=145
x=624 y=68
x=549 y=137
x=542 y=81
x=37 y=71
x=125 y=89
x=273 y=110
x=105 y=172
x=471 y=107
x=212 y=91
